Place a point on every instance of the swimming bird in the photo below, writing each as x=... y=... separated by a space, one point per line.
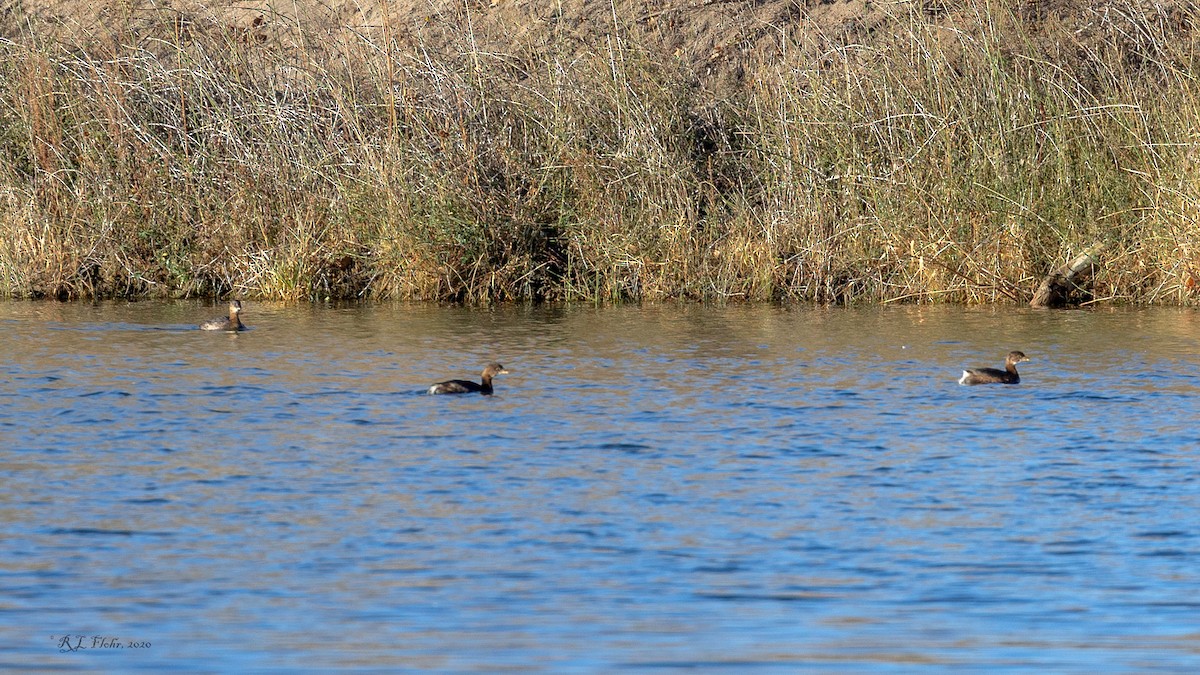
x=233 y=323
x=466 y=386
x=994 y=375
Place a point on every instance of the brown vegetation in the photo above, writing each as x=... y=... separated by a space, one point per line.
x=831 y=151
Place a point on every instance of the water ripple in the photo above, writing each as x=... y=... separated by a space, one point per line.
x=767 y=488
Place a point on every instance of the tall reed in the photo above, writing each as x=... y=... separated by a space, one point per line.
x=949 y=158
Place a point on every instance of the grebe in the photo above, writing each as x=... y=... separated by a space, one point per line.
x=466 y=386
x=233 y=323
x=994 y=375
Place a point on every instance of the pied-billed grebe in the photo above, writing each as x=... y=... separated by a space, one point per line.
x=466 y=386
x=993 y=375
x=233 y=323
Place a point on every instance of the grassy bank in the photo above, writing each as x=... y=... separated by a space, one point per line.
x=945 y=158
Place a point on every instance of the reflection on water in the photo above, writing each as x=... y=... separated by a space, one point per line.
x=650 y=488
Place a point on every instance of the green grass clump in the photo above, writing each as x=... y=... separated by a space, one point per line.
x=941 y=158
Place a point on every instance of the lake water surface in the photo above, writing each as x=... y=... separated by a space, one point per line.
x=732 y=489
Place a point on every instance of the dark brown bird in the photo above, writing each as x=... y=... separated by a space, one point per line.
x=466 y=386
x=994 y=375
x=233 y=323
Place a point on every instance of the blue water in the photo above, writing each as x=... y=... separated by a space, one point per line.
x=737 y=489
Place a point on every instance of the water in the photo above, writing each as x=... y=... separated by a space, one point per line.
x=762 y=489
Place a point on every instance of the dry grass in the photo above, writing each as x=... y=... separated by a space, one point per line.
x=940 y=160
